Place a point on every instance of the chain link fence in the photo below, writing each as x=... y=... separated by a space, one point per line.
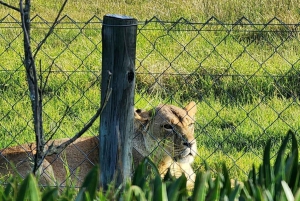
x=243 y=76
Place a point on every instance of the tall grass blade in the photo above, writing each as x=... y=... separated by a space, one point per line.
x=139 y=177
x=279 y=159
x=258 y=195
x=295 y=172
x=160 y=190
x=177 y=190
x=253 y=189
x=29 y=189
x=147 y=161
x=50 y=194
x=252 y=175
x=199 y=193
x=289 y=168
x=8 y=191
x=207 y=168
x=214 y=190
x=297 y=181
x=142 y=172
x=227 y=184
x=297 y=195
x=267 y=195
x=90 y=183
x=267 y=166
x=87 y=196
x=261 y=176
x=80 y=195
x=23 y=190
x=169 y=178
x=135 y=193
x=245 y=195
x=234 y=194
x=287 y=191
x=279 y=166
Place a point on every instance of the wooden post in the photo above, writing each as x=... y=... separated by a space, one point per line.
x=116 y=122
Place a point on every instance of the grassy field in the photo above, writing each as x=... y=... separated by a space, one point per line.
x=245 y=81
x=194 y=10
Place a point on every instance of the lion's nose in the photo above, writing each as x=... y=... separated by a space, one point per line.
x=189 y=144
x=186 y=144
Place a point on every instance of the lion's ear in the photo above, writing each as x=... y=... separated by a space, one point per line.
x=142 y=115
x=191 y=108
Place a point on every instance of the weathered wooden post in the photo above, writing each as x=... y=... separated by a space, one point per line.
x=116 y=122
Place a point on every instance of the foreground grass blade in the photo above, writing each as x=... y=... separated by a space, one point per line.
x=147 y=161
x=29 y=189
x=267 y=166
x=297 y=195
x=50 y=194
x=142 y=172
x=252 y=175
x=139 y=177
x=287 y=191
x=295 y=174
x=177 y=189
x=279 y=159
x=160 y=190
x=287 y=169
x=235 y=193
x=227 y=184
x=135 y=193
x=80 y=195
x=89 y=185
x=199 y=193
x=261 y=175
x=8 y=191
x=214 y=190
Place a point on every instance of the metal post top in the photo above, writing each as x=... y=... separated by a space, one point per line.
x=120 y=16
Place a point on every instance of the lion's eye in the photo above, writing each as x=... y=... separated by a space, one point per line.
x=168 y=126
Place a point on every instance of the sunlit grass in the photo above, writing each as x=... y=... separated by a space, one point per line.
x=194 y=10
x=246 y=85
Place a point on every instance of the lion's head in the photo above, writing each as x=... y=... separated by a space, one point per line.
x=167 y=134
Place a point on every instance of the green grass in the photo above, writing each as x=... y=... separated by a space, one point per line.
x=194 y=10
x=245 y=82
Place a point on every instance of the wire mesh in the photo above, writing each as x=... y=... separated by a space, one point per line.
x=243 y=76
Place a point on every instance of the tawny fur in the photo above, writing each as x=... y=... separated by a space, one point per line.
x=165 y=134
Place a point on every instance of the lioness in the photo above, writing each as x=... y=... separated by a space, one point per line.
x=165 y=134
